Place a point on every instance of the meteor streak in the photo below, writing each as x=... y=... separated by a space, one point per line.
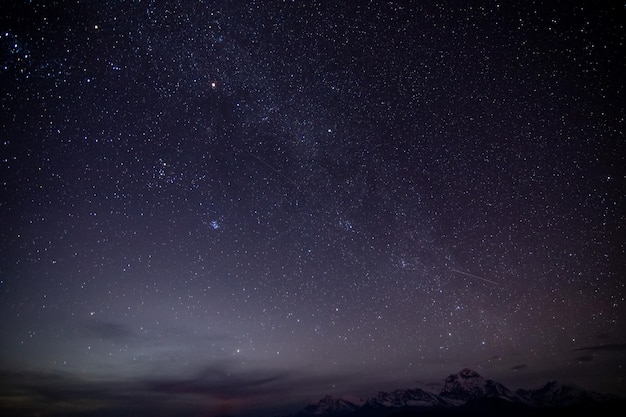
x=273 y=169
x=475 y=276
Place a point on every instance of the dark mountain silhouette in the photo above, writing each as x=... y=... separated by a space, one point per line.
x=469 y=394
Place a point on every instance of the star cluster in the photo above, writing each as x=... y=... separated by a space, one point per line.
x=227 y=200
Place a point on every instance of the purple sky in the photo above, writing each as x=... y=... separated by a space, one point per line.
x=233 y=207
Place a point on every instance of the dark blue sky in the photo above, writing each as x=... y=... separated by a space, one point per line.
x=234 y=206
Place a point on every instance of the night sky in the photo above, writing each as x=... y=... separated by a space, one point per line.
x=233 y=207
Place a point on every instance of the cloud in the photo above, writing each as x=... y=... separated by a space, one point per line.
x=218 y=388
x=55 y=394
x=215 y=382
x=109 y=330
x=615 y=347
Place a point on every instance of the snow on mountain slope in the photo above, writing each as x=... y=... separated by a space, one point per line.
x=553 y=394
x=329 y=405
x=405 y=398
x=468 y=385
x=467 y=393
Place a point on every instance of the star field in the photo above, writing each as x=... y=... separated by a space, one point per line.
x=241 y=206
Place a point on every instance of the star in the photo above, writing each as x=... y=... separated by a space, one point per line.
x=214 y=207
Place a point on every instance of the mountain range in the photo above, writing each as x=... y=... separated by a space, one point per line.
x=469 y=394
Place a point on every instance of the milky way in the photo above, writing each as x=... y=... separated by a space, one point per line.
x=240 y=206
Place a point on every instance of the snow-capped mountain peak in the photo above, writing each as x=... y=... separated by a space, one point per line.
x=464 y=385
x=556 y=394
x=405 y=398
x=468 y=385
x=330 y=405
x=466 y=392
